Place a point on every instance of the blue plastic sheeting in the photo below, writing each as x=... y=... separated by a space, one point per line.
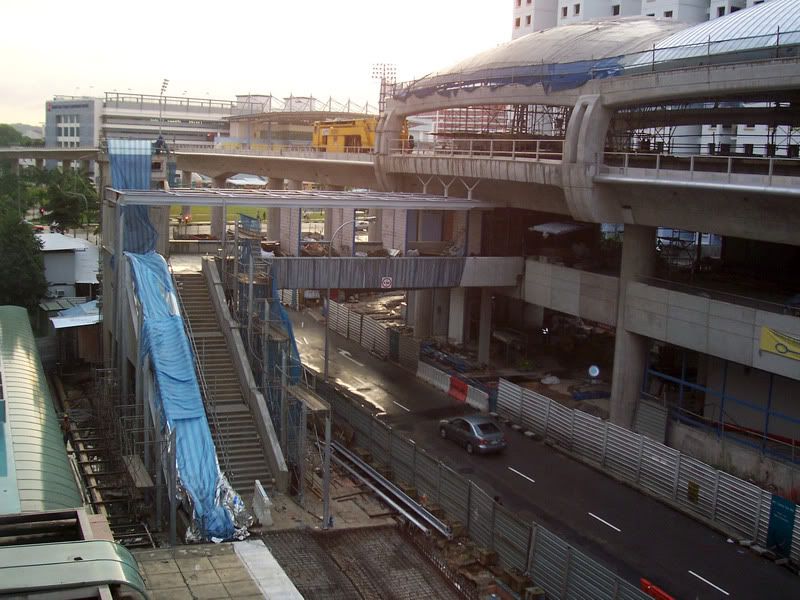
x=164 y=341
x=139 y=234
x=130 y=170
x=130 y=164
x=553 y=77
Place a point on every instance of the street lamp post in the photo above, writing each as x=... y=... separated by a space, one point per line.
x=164 y=85
x=328 y=319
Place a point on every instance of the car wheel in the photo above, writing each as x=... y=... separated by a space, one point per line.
x=443 y=433
x=470 y=448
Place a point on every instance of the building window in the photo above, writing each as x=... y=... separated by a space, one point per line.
x=528 y=20
x=563 y=11
x=667 y=14
x=516 y=22
x=615 y=10
x=734 y=9
x=577 y=9
x=720 y=11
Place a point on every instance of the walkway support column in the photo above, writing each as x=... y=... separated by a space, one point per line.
x=186 y=182
x=485 y=326
x=423 y=314
x=274 y=213
x=457 y=316
x=66 y=165
x=217 y=218
x=630 y=349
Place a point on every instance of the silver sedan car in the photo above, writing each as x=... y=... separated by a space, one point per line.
x=478 y=434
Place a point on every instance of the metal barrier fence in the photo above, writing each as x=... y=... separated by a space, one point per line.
x=367 y=332
x=442 y=381
x=521 y=546
x=735 y=506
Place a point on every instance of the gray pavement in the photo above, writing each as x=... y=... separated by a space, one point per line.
x=613 y=523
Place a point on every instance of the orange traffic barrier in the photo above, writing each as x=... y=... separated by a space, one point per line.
x=653 y=590
x=458 y=389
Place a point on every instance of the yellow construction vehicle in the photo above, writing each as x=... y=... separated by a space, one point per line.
x=354 y=135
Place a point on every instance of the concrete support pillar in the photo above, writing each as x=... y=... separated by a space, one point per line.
x=66 y=165
x=485 y=326
x=217 y=218
x=375 y=228
x=186 y=182
x=532 y=316
x=457 y=316
x=474 y=232
x=273 y=213
x=16 y=167
x=630 y=349
x=411 y=303
x=294 y=184
x=40 y=163
x=86 y=166
x=289 y=223
x=423 y=313
x=441 y=312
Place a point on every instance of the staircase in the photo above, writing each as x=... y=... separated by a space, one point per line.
x=239 y=450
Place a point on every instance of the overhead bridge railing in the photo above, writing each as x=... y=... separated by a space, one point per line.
x=359 y=153
x=396 y=273
x=774 y=174
x=482 y=147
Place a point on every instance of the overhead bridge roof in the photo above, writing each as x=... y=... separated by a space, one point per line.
x=293 y=199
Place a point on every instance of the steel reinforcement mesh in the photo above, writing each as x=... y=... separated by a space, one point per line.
x=375 y=562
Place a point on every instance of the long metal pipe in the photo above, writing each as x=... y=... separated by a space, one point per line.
x=381 y=495
x=415 y=507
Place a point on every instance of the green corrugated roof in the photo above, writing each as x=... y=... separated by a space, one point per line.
x=31 y=442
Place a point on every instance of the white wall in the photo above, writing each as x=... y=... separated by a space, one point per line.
x=542 y=15
x=580 y=293
x=59 y=267
x=712 y=327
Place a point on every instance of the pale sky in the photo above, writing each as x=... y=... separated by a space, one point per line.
x=223 y=48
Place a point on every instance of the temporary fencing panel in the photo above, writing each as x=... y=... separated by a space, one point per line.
x=697 y=485
x=481 y=516
x=509 y=400
x=588 y=436
x=658 y=466
x=427 y=479
x=737 y=505
x=454 y=494
x=511 y=538
x=588 y=579
x=374 y=336
x=409 y=351
x=559 y=424
x=622 y=450
x=550 y=560
x=394 y=345
x=535 y=411
x=354 y=326
x=651 y=420
x=403 y=459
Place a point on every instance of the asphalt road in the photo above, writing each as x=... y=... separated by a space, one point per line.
x=627 y=531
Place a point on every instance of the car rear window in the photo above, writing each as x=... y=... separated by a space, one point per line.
x=488 y=428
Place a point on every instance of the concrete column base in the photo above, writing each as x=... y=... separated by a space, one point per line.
x=423 y=314
x=485 y=327
x=457 y=316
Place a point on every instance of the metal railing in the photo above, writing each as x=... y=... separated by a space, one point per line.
x=522 y=546
x=199 y=367
x=691 y=486
x=360 y=153
x=769 y=166
x=737 y=299
x=744 y=49
x=503 y=148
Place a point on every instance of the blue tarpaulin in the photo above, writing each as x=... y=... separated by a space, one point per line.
x=164 y=341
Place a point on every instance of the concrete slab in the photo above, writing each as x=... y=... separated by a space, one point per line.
x=238 y=573
x=209 y=591
x=242 y=588
x=189 y=566
x=163 y=581
x=156 y=567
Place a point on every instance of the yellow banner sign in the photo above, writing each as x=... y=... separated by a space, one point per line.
x=780 y=343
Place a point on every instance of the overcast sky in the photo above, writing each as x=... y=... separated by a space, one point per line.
x=223 y=48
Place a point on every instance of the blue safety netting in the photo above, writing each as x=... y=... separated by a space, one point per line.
x=164 y=342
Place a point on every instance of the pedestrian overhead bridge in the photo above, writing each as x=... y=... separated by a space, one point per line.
x=349 y=272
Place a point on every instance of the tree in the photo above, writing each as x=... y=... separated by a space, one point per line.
x=70 y=196
x=21 y=263
x=9 y=136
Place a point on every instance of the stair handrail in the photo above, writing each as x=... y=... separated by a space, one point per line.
x=209 y=400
